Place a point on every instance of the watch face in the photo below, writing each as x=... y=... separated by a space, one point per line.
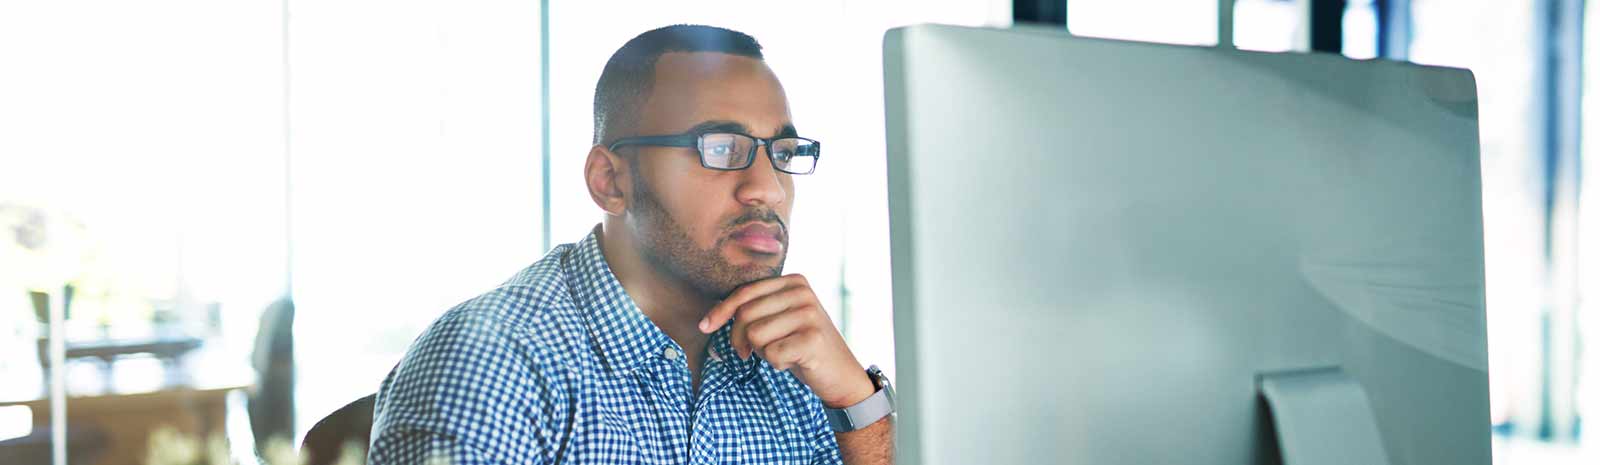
x=878 y=379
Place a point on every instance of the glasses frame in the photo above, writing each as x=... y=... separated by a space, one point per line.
x=692 y=140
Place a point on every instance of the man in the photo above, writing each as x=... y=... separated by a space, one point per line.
x=668 y=334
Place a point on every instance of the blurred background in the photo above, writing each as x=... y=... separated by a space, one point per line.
x=243 y=212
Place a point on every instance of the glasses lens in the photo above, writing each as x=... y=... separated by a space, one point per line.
x=797 y=156
x=725 y=151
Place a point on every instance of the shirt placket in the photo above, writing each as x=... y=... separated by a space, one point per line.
x=672 y=386
x=720 y=374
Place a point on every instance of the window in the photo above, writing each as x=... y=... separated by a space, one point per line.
x=1360 y=34
x=142 y=164
x=1282 y=26
x=1187 y=22
x=1271 y=25
x=415 y=176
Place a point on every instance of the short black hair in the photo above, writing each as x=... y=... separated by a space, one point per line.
x=625 y=83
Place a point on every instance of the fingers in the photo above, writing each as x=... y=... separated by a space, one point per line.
x=793 y=350
x=764 y=307
x=760 y=333
x=723 y=311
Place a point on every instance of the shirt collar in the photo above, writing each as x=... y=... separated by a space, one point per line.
x=621 y=332
x=720 y=350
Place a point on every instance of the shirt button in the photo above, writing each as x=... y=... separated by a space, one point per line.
x=670 y=354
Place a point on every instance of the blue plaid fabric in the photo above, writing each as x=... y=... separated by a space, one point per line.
x=558 y=365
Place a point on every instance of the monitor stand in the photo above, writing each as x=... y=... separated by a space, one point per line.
x=1322 y=417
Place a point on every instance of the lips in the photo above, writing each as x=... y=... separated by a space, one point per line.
x=760 y=238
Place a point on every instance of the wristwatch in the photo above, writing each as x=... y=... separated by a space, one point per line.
x=880 y=404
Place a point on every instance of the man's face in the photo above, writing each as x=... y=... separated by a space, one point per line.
x=714 y=230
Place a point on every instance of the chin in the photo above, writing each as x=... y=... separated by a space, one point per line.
x=729 y=279
x=754 y=267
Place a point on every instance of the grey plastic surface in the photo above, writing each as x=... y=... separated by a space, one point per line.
x=1098 y=245
x=1310 y=406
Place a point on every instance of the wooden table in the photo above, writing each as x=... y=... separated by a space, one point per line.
x=124 y=418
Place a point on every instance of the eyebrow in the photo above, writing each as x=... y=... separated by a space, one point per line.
x=787 y=130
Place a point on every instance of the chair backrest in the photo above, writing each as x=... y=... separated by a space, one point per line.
x=349 y=424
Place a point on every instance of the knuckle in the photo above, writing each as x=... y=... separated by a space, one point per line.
x=745 y=307
x=817 y=316
x=757 y=334
x=780 y=348
x=796 y=293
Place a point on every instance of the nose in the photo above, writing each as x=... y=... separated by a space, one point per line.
x=761 y=183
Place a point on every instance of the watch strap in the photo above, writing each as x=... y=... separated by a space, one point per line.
x=876 y=406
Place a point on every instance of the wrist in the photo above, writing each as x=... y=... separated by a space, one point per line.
x=869 y=410
x=859 y=388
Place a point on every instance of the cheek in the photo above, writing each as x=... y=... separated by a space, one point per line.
x=788 y=201
x=707 y=227
x=700 y=209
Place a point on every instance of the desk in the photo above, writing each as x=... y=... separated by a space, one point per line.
x=126 y=420
x=125 y=415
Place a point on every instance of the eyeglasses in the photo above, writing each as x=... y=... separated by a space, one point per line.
x=731 y=151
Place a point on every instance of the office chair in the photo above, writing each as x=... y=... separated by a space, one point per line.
x=351 y=423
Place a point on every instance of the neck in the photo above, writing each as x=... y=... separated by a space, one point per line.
x=672 y=304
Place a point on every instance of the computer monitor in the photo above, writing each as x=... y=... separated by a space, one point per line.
x=1111 y=252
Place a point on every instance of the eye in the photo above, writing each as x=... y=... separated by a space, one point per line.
x=720 y=150
x=783 y=155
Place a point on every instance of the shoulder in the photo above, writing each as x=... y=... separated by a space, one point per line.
x=497 y=364
x=531 y=319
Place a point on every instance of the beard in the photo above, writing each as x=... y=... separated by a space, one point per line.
x=669 y=249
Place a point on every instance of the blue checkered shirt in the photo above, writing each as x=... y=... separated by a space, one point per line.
x=558 y=365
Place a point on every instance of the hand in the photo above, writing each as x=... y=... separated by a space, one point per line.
x=781 y=319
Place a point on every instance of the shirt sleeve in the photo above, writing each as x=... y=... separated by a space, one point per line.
x=423 y=448
x=824 y=446
x=466 y=392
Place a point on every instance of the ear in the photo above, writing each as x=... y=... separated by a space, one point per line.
x=605 y=173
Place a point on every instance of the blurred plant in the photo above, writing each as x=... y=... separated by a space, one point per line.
x=280 y=451
x=168 y=446
x=44 y=249
x=27 y=229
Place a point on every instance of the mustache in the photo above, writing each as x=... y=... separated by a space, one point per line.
x=761 y=215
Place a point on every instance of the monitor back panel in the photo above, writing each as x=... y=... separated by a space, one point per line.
x=1098 y=245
